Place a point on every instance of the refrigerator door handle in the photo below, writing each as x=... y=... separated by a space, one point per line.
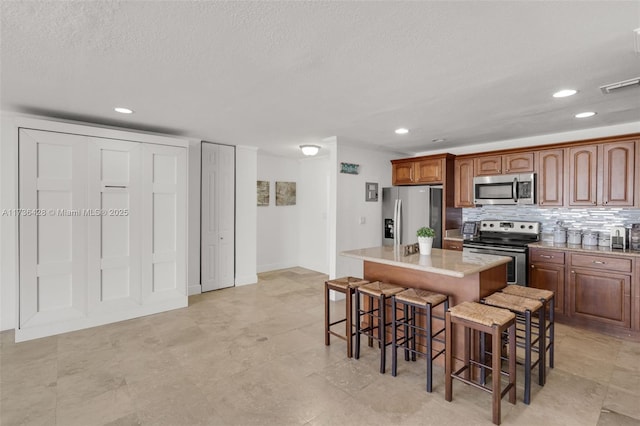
x=399 y=222
x=395 y=222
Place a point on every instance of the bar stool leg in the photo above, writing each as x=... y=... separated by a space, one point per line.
x=448 y=357
x=348 y=322
x=394 y=338
x=527 y=357
x=370 y=320
x=382 y=335
x=551 y=330
x=429 y=350
x=542 y=345
x=413 y=333
x=326 y=315
x=496 y=350
x=358 y=325
x=405 y=312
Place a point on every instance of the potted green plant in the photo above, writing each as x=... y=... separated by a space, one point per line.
x=425 y=239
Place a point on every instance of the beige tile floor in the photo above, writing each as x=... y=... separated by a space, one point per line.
x=255 y=355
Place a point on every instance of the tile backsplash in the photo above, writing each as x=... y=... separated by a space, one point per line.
x=593 y=219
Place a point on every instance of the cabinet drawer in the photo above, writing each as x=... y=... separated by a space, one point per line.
x=452 y=245
x=600 y=262
x=546 y=256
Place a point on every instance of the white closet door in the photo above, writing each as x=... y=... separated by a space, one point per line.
x=114 y=225
x=218 y=217
x=164 y=229
x=53 y=245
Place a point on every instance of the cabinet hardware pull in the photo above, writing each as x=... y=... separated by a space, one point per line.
x=573 y=272
x=532 y=266
x=115 y=186
x=546 y=256
x=599 y=262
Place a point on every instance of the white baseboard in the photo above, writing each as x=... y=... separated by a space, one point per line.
x=276 y=266
x=195 y=289
x=247 y=279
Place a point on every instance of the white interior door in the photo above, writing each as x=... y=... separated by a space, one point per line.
x=53 y=245
x=114 y=225
x=218 y=217
x=164 y=171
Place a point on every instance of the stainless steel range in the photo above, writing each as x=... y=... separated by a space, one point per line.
x=506 y=238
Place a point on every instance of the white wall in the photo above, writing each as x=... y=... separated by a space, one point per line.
x=313 y=198
x=278 y=229
x=246 y=213
x=193 y=262
x=374 y=167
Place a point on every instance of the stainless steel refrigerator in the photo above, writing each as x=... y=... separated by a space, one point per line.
x=407 y=208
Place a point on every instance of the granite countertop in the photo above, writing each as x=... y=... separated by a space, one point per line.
x=584 y=249
x=445 y=262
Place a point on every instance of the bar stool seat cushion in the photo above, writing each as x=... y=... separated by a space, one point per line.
x=421 y=297
x=512 y=302
x=347 y=282
x=378 y=289
x=530 y=292
x=482 y=314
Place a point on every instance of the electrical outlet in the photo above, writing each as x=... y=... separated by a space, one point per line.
x=363 y=220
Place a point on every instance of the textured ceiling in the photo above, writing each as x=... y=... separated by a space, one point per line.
x=278 y=74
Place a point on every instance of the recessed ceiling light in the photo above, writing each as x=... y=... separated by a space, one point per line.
x=586 y=114
x=438 y=140
x=564 y=93
x=123 y=110
x=402 y=131
x=310 y=150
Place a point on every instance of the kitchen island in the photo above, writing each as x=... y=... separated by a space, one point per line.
x=461 y=276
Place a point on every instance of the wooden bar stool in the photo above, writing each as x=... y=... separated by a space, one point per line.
x=421 y=304
x=524 y=308
x=375 y=315
x=547 y=298
x=493 y=321
x=346 y=286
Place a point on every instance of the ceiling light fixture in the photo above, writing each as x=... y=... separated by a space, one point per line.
x=402 y=131
x=564 y=93
x=438 y=140
x=310 y=150
x=586 y=114
x=123 y=110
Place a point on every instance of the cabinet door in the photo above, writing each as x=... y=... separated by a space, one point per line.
x=600 y=296
x=583 y=175
x=550 y=178
x=164 y=203
x=402 y=173
x=114 y=233
x=518 y=163
x=487 y=166
x=618 y=173
x=428 y=171
x=464 y=182
x=549 y=277
x=53 y=228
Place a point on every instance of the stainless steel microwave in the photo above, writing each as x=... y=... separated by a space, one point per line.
x=514 y=189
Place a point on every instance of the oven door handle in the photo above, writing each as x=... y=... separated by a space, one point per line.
x=487 y=250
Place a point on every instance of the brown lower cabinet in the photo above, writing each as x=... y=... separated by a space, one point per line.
x=600 y=296
x=549 y=276
x=595 y=290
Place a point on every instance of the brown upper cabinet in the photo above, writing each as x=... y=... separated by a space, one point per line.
x=418 y=171
x=521 y=162
x=464 y=182
x=602 y=174
x=550 y=175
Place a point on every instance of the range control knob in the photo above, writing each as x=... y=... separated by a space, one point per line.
x=521 y=226
x=491 y=226
x=530 y=226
